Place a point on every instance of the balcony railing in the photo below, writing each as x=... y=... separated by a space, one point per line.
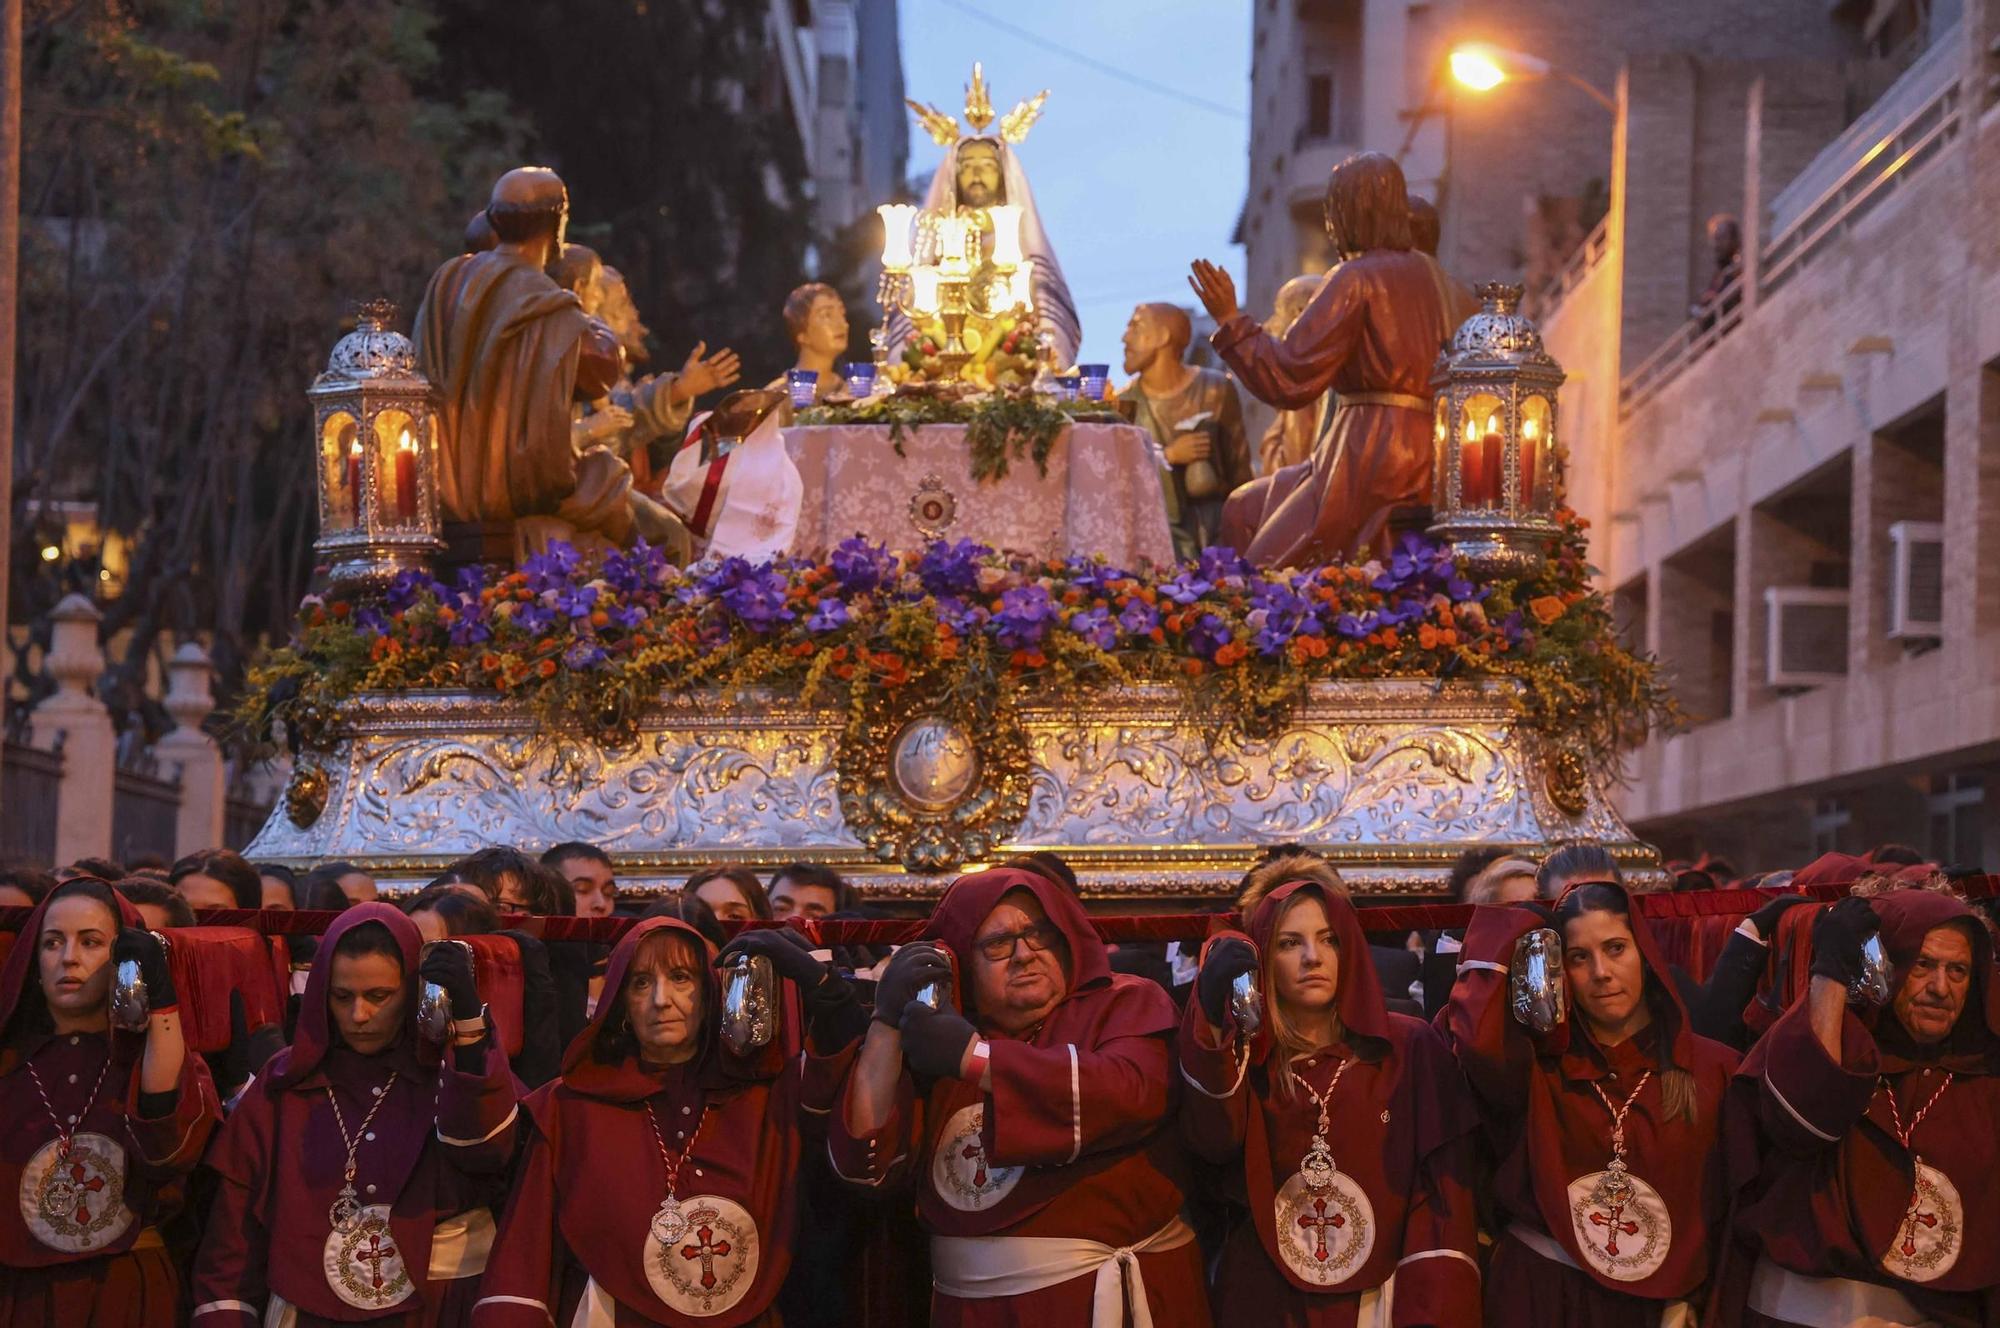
x=1583 y=260
x=1907 y=128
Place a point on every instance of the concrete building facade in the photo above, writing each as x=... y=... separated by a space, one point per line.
x=841 y=65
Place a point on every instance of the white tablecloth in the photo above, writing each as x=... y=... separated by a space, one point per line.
x=1101 y=495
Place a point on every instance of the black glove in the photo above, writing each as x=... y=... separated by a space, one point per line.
x=910 y=969
x=789 y=951
x=1837 y=936
x=1228 y=959
x=834 y=1015
x=1766 y=918
x=248 y=1048
x=449 y=965
x=150 y=953
x=934 y=1041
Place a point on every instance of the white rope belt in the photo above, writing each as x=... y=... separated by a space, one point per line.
x=989 y=1267
x=1673 y=1313
x=1834 y=1302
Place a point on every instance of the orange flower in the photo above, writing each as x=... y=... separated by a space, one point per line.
x=1232 y=653
x=600 y=619
x=547 y=668
x=1192 y=667
x=1546 y=608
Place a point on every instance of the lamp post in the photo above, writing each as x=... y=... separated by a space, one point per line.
x=1482 y=68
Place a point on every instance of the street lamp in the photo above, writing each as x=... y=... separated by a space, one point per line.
x=1482 y=68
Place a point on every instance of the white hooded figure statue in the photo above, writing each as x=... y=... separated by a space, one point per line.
x=1055 y=311
x=733 y=483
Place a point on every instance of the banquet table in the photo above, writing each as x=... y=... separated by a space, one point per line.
x=1101 y=494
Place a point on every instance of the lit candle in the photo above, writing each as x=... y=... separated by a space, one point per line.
x=1023 y=285
x=406 y=477
x=1006 y=236
x=354 y=479
x=951 y=233
x=1492 y=466
x=1469 y=493
x=1531 y=447
x=897 y=221
x=924 y=289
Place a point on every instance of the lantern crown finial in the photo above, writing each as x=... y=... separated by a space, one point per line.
x=374 y=350
x=1499 y=336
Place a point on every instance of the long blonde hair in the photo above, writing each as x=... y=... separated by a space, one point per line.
x=1287 y=1042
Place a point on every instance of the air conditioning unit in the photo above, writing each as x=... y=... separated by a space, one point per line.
x=1805 y=641
x=1916 y=581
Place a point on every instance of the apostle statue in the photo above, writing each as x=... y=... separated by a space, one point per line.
x=635 y=417
x=1194 y=415
x=510 y=352
x=981 y=172
x=1289 y=438
x=1371 y=334
x=816 y=320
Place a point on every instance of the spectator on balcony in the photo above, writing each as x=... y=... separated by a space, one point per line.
x=216 y=878
x=1725 y=237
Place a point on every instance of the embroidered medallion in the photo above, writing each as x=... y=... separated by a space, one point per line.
x=959 y=1172
x=713 y=1263
x=1933 y=1229
x=1325 y=1232
x=364 y=1264
x=1622 y=1226
x=73 y=1199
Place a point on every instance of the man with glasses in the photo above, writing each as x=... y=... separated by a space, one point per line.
x=1027 y=1110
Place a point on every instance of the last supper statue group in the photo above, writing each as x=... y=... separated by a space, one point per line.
x=544 y=434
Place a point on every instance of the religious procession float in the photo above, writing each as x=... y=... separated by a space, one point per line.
x=926 y=619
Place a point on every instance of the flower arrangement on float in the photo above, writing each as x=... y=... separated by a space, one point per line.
x=589 y=641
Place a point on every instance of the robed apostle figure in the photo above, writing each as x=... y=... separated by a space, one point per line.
x=1193 y=415
x=509 y=352
x=1371 y=334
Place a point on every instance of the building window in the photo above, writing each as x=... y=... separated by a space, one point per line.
x=1830 y=820
x=1958 y=820
x=1319 y=106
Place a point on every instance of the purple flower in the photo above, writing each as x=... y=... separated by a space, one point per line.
x=576 y=601
x=962 y=618
x=758 y=600
x=1024 y=617
x=1279 y=614
x=533 y=617
x=636 y=570
x=720 y=576
x=552 y=567
x=1095 y=626
x=1355 y=626
x=628 y=616
x=583 y=655
x=859 y=566
x=470 y=629
x=1186 y=588
x=370 y=620
x=1094 y=577
x=1208 y=635
x=951 y=568
x=832 y=616
x=1139 y=618
x=409 y=586
x=1220 y=563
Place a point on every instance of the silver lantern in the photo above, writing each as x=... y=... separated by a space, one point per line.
x=374 y=454
x=1499 y=455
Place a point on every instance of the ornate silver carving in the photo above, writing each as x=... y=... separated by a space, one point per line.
x=372 y=351
x=933 y=762
x=1391 y=778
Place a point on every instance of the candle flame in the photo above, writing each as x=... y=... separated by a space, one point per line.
x=407 y=443
x=1531 y=428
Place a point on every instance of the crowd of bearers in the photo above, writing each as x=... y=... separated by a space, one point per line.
x=1006 y=1114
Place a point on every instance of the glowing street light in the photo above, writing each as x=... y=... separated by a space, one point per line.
x=1482 y=68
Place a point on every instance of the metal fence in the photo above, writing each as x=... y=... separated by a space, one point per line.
x=29 y=783
x=144 y=809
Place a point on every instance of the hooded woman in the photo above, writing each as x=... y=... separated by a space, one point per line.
x=1347 y=1129
x=101 y=1123
x=358 y=1170
x=1873 y=1133
x=660 y=1177
x=1611 y=1189
x=1032 y=1124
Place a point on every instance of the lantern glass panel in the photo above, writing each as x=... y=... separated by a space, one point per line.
x=397 y=461
x=1482 y=435
x=1441 y=453
x=1537 y=440
x=340 y=470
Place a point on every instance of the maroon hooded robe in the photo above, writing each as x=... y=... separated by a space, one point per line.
x=578 y=1225
x=1552 y=1133
x=95 y=1256
x=1068 y=1144
x=426 y=1171
x=1401 y=1205
x=1832 y=1195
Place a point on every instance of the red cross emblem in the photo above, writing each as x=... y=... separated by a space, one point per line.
x=373 y=1254
x=976 y=1155
x=1319 y=1224
x=708 y=1249
x=1914 y=1219
x=1613 y=1226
